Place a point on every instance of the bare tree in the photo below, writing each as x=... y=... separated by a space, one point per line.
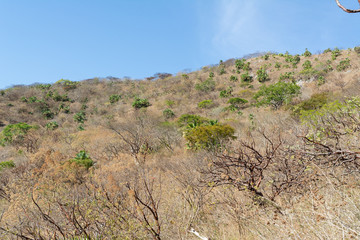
x=346 y=9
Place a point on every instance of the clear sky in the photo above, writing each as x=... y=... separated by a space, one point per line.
x=46 y=40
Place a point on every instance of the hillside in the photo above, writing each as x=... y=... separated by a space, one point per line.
x=262 y=148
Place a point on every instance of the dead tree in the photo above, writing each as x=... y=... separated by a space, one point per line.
x=346 y=9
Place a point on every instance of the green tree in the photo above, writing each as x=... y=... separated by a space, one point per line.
x=277 y=94
x=141 y=103
x=82 y=159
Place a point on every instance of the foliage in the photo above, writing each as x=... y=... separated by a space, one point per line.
x=168 y=113
x=245 y=77
x=190 y=119
x=233 y=78
x=307 y=65
x=292 y=59
x=114 y=98
x=141 y=103
x=287 y=76
x=307 y=53
x=205 y=104
x=82 y=159
x=266 y=57
x=67 y=84
x=7 y=164
x=357 y=49
x=262 y=75
x=327 y=50
x=335 y=53
x=52 y=125
x=14 y=133
x=277 y=65
x=277 y=94
x=170 y=103
x=222 y=71
x=226 y=93
x=239 y=64
x=207 y=86
x=343 y=65
x=236 y=104
x=80 y=117
x=43 y=86
x=209 y=137
x=316 y=101
x=211 y=75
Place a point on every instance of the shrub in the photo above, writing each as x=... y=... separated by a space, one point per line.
x=357 y=50
x=245 y=77
x=236 y=104
x=209 y=137
x=343 y=65
x=190 y=119
x=316 y=101
x=307 y=53
x=206 y=86
x=58 y=98
x=114 y=98
x=233 y=78
x=327 y=50
x=13 y=133
x=262 y=75
x=335 y=53
x=211 y=75
x=43 y=86
x=239 y=64
x=52 y=125
x=246 y=66
x=2 y=92
x=307 y=65
x=277 y=94
x=277 y=65
x=82 y=159
x=287 y=76
x=170 y=103
x=80 y=117
x=7 y=164
x=67 y=84
x=222 y=71
x=140 y=103
x=266 y=57
x=226 y=93
x=205 y=104
x=168 y=113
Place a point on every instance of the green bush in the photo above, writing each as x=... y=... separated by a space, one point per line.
x=287 y=76
x=170 y=103
x=168 y=113
x=43 y=86
x=206 y=104
x=307 y=65
x=190 y=119
x=233 y=78
x=262 y=75
x=7 y=164
x=357 y=50
x=222 y=71
x=316 y=101
x=209 y=137
x=239 y=64
x=277 y=94
x=67 y=84
x=82 y=159
x=245 y=77
x=226 y=93
x=277 y=65
x=13 y=133
x=114 y=98
x=52 y=125
x=141 y=103
x=307 y=53
x=80 y=117
x=236 y=104
x=327 y=50
x=266 y=57
x=207 y=86
x=211 y=75
x=343 y=65
x=335 y=53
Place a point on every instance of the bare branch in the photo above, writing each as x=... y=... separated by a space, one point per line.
x=346 y=9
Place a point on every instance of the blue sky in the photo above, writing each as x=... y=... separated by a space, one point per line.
x=46 y=40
